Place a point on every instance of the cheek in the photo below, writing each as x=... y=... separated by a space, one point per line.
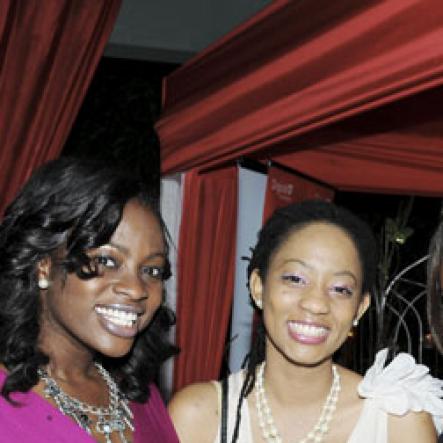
x=153 y=303
x=277 y=307
x=344 y=311
x=76 y=288
x=281 y=299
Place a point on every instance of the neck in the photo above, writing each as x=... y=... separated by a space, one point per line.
x=67 y=360
x=271 y=433
x=307 y=383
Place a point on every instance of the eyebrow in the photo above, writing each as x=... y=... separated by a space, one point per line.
x=337 y=274
x=348 y=273
x=125 y=250
x=297 y=260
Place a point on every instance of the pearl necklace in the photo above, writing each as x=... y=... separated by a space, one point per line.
x=266 y=420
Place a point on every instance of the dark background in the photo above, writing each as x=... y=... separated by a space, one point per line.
x=116 y=121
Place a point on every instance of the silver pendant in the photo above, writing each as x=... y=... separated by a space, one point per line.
x=117 y=417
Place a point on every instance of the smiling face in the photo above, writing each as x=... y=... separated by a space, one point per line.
x=311 y=294
x=105 y=313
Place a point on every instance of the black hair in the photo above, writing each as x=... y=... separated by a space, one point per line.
x=434 y=294
x=71 y=205
x=284 y=222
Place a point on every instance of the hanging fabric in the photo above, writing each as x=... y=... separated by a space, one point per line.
x=48 y=54
x=206 y=256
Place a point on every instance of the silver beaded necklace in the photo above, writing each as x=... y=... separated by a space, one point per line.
x=117 y=417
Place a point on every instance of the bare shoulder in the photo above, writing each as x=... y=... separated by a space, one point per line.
x=411 y=428
x=350 y=381
x=197 y=397
x=194 y=411
x=349 y=406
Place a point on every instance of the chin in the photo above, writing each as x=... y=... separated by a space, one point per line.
x=115 y=351
x=309 y=356
x=118 y=354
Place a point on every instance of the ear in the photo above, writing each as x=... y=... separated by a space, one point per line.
x=44 y=271
x=256 y=288
x=44 y=268
x=363 y=306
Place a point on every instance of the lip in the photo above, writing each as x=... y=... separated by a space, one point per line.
x=306 y=332
x=119 y=330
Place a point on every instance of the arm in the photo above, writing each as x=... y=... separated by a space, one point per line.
x=411 y=428
x=195 y=413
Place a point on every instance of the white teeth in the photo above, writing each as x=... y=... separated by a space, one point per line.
x=311 y=330
x=117 y=321
x=117 y=316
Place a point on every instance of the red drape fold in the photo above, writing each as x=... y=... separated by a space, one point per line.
x=268 y=84
x=206 y=269
x=48 y=53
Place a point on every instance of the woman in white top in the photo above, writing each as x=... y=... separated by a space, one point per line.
x=310 y=275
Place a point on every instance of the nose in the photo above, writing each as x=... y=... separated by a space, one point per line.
x=315 y=300
x=131 y=285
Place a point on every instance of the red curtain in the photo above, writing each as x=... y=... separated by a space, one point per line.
x=286 y=187
x=206 y=269
x=242 y=98
x=48 y=53
x=397 y=149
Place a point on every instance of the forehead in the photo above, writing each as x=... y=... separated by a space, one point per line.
x=139 y=226
x=320 y=241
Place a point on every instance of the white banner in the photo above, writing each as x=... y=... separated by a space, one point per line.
x=251 y=189
x=171 y=198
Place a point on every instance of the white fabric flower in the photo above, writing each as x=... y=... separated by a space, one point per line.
x=402 y=386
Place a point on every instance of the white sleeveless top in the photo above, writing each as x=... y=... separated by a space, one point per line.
x=398 y=388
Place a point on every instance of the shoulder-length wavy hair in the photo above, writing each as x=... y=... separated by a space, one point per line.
x=71 y=205
x=434 y=289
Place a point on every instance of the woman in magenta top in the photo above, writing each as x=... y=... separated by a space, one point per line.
x=83 y=258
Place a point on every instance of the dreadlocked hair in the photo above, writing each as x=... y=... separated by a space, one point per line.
x=284 y=222
x=255 y=357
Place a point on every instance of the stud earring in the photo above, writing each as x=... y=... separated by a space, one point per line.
x=259 y=304
x=43 y=283
x=355 y=322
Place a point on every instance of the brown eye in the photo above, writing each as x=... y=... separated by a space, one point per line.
x=106 y=261
x=343 y=290
x=155 y=272
x=294 y=279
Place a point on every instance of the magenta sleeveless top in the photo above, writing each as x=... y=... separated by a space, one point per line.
x=37 y=421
